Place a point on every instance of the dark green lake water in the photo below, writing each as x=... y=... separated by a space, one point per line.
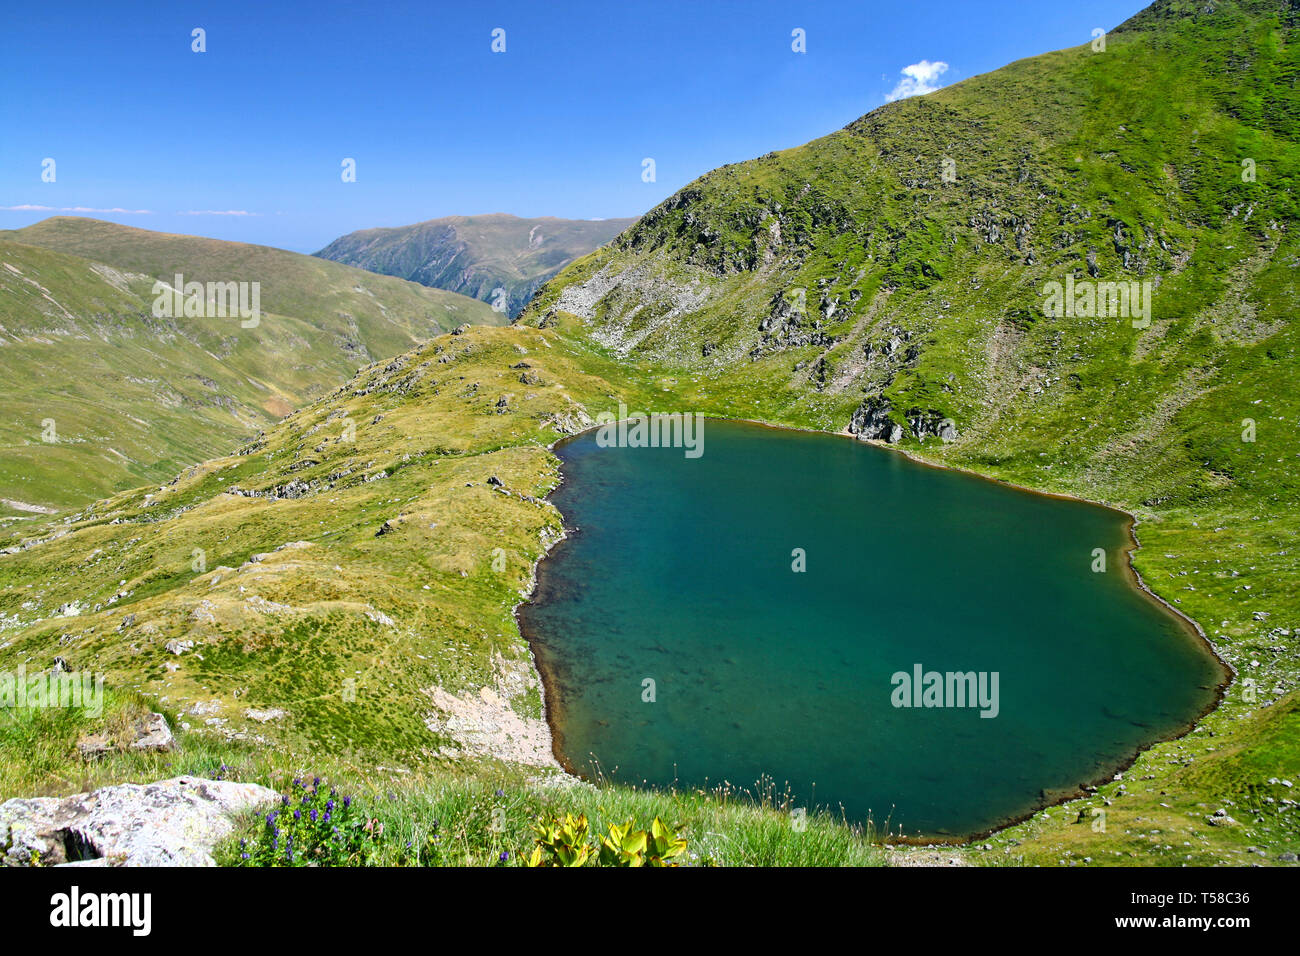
x=681 y=573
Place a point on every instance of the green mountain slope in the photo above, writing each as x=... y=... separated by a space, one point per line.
x=134 y=397
x=377 y=529
x=373 y=316
x=922 y=299
x=360 y=580
x=477 y=255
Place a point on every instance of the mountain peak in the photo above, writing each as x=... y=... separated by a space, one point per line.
x=1163 y=12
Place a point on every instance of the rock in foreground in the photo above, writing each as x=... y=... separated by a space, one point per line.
x=173 y=822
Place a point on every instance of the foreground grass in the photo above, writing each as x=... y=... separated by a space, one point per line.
x=468 y=814
x=451 y=819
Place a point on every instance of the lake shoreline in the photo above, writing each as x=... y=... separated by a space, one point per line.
x=551 y=699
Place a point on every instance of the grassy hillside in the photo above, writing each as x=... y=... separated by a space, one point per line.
x=351 y=593
x=134 y=397
x=477 y=255
x=416 y=605
x=350 y=607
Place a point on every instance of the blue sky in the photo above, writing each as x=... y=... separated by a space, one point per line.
x=438 y=124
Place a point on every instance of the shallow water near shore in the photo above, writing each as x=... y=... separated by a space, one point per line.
x=681 y=574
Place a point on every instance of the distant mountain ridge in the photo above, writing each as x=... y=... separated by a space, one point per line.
x=101 y=393
x=497 y=258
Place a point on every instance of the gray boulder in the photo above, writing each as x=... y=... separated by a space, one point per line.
x=173 y=822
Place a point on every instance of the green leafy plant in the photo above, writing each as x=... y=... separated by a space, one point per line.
x=664 y=844
x=566 y=843
x=627 y=846
x=561 y=842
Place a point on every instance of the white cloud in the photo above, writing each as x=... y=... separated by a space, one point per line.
x=118 y=209
x=217 y=212
x=918 y=79
x=28 y=207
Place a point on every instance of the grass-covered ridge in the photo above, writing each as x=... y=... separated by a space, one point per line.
x=372 y=545
x=354 y=572
x=101 y=394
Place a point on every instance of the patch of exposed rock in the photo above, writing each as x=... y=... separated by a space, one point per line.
x=927 y=857
x=634 y=304
x=483 y=724
x=264 y=716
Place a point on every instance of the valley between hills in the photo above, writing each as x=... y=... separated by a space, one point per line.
x=103 y=394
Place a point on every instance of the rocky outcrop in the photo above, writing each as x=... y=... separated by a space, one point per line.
x=148 y=734
x=873 y=421
x=926 y=424
x=788 y=324
x=173 y=822
x=569 y=421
